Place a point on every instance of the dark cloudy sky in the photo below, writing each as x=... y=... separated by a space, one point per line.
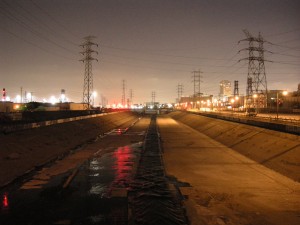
x=152 y=44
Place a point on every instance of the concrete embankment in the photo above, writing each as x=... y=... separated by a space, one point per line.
x=24 y=150
x=276 y=150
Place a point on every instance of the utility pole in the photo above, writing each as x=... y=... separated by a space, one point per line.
x=88 y=76
x=123 y=93
x=256 y=77
x=179 y=91
x=21 y=95
x=25 y=97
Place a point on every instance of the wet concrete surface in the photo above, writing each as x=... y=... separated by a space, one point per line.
x=116 y=179
x=96 y=195
x=87 y=187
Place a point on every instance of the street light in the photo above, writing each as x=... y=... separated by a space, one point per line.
x=277 y=102
x=255 y=102
x=94 y=96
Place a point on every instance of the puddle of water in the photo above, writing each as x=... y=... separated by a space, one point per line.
x=112 y=170
x=118 y=131
x=4 y=202
x=97 y=195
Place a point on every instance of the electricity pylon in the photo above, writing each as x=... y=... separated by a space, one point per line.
x=123 y=93
x=197 y=90
x=179 y=91
x=130 y=96
x=88 y=76
x=197 y=80
x=153 y=95
x=256 y=78
x=236 y=88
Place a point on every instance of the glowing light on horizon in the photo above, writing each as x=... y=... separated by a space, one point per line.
x=53 y=100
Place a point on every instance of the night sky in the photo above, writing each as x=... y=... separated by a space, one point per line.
x=152 y=44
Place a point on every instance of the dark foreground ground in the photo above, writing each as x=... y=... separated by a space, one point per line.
x=87 y=186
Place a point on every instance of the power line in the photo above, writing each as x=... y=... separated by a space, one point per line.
x=287 y=47
x=164 y=62
x=159 y=54
x=278 y=53
x=35 y=45
x=41 y=24
x=282 y=33
x=53 y=19
x=31 y=30
x=288 y=41
x=286 y=63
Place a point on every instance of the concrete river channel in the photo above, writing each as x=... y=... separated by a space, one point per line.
x=118 y=178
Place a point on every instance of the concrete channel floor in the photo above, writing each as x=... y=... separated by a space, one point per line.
x=225 y=186
x=66 y=168
x=73 y=161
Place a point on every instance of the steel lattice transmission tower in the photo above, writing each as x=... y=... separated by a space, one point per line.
x=236 y=88
x=88 y=75
x=131 y=96
x=197 y=80
x=153 y=95
x=179 y=91
x=256 y=77
x=123 y=100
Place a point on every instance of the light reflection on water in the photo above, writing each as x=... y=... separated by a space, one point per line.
x=114 y=169
x=97 y=189
x=5 y=202
x=4 y=207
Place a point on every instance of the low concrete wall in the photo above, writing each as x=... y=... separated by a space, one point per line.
x=276 y=150
x=17 y=127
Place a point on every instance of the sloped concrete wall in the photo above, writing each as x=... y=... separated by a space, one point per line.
x=276 y=150
x=23 y=150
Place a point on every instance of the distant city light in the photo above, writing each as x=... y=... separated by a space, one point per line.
x=28 y=96
x=53 y=100
x=17 y=107
x=18 y=99
x=63 y=98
